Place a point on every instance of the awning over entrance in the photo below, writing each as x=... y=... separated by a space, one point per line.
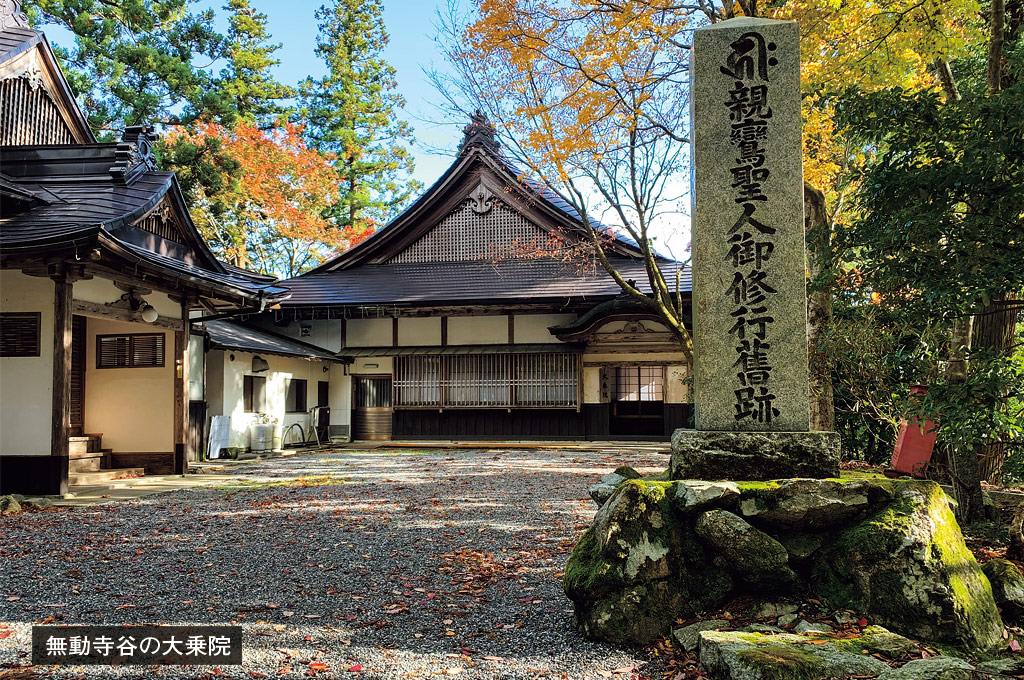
x=535 y=348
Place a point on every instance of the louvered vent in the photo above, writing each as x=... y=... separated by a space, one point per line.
x=19 y=334
x=130 y=351
x=469 y=235
x=29 y=116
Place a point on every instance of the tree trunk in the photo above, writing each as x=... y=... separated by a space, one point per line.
x=819 y=309
x=964 y=471
x=994 y=329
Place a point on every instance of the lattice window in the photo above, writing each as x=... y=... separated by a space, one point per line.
x=549 y=380
x=640 y=383
x=467 y=234
x=28 y=115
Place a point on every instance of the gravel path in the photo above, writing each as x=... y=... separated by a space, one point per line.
x=401 y=563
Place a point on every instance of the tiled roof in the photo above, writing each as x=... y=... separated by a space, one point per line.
x=475 y=281
x=230 y=335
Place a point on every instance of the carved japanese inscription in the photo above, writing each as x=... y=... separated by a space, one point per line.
x=748 y=242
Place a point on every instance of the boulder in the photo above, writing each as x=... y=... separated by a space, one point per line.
x=602 y=491
x=751 y=554
x=698 y=454
x=808 y=627
x=1007 y=588
x=936 y=668
x=696 y=495
x=774 y=609
x=688 y=637
x=906 y=567
x=886 y=550
x=762 y=628
x=38 y=503
x=878 y=640
x=787 y=620
x=809 y=505
x=753 y=656
x=1011 y=666
x=9 y=505
x=635 y=571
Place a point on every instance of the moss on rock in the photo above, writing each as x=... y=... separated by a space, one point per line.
x=908 y=568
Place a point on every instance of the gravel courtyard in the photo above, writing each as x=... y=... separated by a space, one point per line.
x=390 y=563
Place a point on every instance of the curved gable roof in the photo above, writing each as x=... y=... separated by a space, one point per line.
x=477 y=164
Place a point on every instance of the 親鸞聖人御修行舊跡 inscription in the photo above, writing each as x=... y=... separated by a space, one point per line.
x=750 y=309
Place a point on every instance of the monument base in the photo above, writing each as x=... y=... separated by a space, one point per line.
x=753 y=456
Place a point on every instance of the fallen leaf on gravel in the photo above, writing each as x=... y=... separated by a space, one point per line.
x=358 y=668
x=624 y=670
x=318 y=666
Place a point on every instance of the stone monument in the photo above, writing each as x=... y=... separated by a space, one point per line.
x=749 y=291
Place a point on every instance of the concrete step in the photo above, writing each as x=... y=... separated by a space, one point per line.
x=102 y=476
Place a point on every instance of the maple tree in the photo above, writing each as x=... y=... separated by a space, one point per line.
x=269 y=215
x=352 y=113
x=592 y=100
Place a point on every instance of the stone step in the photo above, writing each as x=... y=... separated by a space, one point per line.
x=91 y=462
x=102 y=476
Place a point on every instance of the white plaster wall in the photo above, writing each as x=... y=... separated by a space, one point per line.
x=419 y=330
x=325 y=333
x=229 y=398
x=369 y=332
x=133 y=408
x=534 y=327
x=340 y=396
x=478 y=330
x=26 y=383
x=102 y=291
x=196 y=367
x=592 y=385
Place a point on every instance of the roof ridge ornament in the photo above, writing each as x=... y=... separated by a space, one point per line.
x=479 y=133
x=134 y=154
x=11 y=15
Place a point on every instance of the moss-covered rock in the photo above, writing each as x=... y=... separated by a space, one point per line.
x=1008 y=589
x=754 y=556
x=888 y=550
x=937 y=668
x=729 y=655
x=637 y=569
x=906 y=566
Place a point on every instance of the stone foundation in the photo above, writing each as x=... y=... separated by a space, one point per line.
x=887 y=550
x=754 y=456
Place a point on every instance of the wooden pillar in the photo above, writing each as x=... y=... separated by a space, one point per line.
x=61 y=416
x=181 y=395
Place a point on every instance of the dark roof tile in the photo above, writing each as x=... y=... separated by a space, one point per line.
x=467 y=282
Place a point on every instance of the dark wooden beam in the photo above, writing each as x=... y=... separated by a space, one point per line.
x=180 y=399
x=511 y=329
x=61 y=403
x=98 y=311
x=394 y=331
x=444 y=331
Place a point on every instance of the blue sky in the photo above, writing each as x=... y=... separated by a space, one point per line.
x=412 y=49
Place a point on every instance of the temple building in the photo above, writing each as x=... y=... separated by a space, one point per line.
x=101 y=269
x=457 y=321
